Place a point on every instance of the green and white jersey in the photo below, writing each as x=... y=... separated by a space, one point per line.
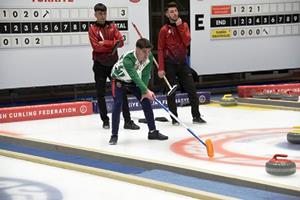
x=129 y=69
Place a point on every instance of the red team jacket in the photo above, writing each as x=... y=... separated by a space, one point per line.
x=108 y=33
x=173 y=42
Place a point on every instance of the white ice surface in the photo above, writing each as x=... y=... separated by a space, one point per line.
x=86 y=131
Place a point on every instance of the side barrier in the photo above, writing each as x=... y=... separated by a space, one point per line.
x=133 y=103
x=249 y=90
x=47 y=111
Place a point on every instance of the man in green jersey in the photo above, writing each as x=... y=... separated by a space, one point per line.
x=132 y=72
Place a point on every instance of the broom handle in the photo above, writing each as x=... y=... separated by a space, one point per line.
x=180 y=122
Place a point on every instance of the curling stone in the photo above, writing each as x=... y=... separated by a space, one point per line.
x=260 y=96
x=228 y=100
x=290 y=97
x=293 y=136
x=280 y=167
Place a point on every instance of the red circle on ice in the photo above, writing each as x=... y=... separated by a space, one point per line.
x=253 y=147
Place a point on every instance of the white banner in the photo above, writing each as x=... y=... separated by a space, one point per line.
x=45 y=42
x=244 y=35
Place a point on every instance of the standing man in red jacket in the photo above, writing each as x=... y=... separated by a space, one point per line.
x=105 y=38
x=173 y=41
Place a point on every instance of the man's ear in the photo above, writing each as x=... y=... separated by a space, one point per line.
x=167 y=14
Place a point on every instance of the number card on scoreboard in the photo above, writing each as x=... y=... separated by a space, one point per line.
x=244 y=35
x=45 y=42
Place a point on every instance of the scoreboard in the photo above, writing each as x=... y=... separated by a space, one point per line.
x=254 y=20
x=44 y=27
x=244 y=35
x=45 y=42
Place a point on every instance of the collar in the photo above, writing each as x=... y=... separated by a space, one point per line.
x=134 y=53
x=106 y=23
x=171 y=24
x=144 y=63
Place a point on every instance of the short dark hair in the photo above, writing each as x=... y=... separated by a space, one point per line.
x=171 y=5
x=143 y=43
x=100 y=7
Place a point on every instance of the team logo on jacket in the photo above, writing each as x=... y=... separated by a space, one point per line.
x=119 y=84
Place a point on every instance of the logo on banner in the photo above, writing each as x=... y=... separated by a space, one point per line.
x=83 y=109
x=202 y=99
x=22 y=113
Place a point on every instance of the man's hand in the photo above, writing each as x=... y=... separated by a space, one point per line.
x=101 y=43
x=149 y=94
x=179 y=21
x=116 y=46
x=161 y=73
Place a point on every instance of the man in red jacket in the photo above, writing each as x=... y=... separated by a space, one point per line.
x=173 y=41
x=105 y=38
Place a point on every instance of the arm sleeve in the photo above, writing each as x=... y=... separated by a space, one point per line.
x=95 y=42
x=184 y=32
x=147 y=71
x=109 y=43
x=129 y=66
x=161 y=48
x=117 y=36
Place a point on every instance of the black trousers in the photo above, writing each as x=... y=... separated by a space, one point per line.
x=118 y=89
x=101 y=73
x=184 y=75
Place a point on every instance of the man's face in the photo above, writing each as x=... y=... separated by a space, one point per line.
x=143 y=54
x=172 y=14
x=101 y=16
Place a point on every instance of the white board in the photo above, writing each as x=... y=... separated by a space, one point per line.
x=244 y=35
x=45 y=42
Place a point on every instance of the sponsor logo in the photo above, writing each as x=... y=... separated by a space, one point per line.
x=119 y=85
x=221 y=33
x=83 y=109
x=134 y=1
x=202 y=99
